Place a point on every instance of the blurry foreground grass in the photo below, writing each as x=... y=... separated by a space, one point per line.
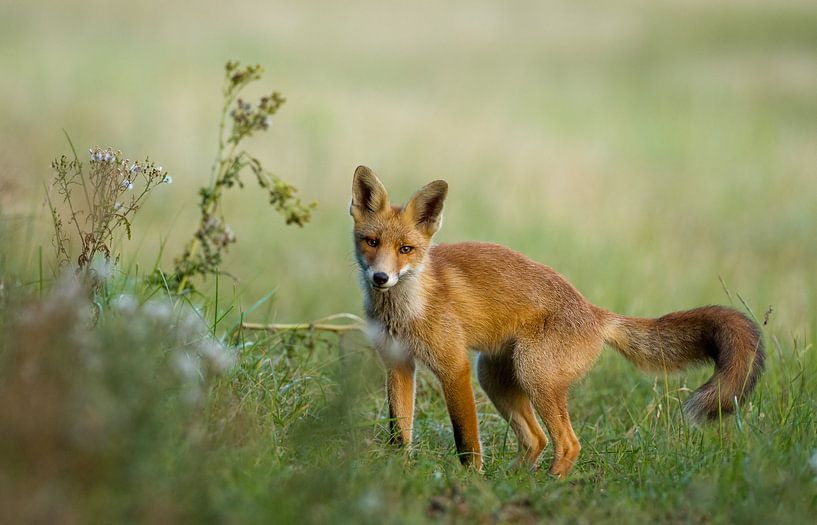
x=144 y=418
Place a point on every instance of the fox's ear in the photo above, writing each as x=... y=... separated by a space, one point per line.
x=426 y=206
x=368 y=194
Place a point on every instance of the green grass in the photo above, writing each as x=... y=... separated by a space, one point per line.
x=101 y=427
x=645 y=151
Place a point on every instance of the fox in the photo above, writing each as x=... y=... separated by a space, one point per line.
x=535 y=334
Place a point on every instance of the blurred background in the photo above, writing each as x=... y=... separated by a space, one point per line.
x=643 y=150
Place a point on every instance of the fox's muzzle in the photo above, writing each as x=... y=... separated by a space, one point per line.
x=381 y=280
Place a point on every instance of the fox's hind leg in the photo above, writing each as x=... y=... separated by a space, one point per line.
x=551 y=403
x=547 y=362
x=497 y=378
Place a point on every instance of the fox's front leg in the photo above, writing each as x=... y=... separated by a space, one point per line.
x=400 y=389
x=455 y=378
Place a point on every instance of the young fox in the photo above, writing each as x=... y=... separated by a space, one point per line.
x=536 y=334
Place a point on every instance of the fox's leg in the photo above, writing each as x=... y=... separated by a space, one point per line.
x=552 y=406
x=455 y=377
x=547 y=362
x=498 y=379
x=400 y=389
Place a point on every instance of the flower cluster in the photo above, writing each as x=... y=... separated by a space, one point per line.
x=217 y=232
x=248 y=119
x=126 y=170
x=98 y=201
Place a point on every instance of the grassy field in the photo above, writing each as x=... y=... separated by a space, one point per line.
x=660 y=156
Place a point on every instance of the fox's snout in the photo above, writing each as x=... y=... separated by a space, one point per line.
x=381 y=280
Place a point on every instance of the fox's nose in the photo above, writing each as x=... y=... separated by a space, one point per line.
x=380 y=278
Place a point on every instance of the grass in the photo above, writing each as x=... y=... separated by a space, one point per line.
x=296 y=432
x=648 y=152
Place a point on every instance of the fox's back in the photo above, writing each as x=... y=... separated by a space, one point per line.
x=494 y=289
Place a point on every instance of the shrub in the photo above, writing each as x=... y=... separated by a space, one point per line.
x=103 y=422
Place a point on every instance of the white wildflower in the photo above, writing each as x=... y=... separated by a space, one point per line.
x=127 y=185
x=158 y=310
x=228 y=236
x=117 y=206
x=191 y=326
x=103 y=267
x=187 y=366
x=125 y=304
x=219 y=356
x=158 y=169
x=135 y=168
x=167 y=179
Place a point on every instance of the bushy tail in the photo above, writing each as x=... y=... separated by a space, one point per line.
x=678 y=340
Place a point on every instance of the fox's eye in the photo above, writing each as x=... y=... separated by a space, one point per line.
x=372 y=242
x=406 y=249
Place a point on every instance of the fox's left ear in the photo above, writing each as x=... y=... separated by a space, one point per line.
x=426 y=206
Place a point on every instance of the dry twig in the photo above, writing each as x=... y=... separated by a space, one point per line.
x=324 y=324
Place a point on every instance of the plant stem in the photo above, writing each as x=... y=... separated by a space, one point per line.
x=81 y=175
x=323 y=324
x=292 y=327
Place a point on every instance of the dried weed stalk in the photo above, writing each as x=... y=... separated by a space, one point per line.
x=97 y=202
x=203 y=253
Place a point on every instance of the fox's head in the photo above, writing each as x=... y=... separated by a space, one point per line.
x=391 y=242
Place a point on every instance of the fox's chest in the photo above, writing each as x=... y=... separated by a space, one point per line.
x=395 y=341
x=393 y=323
x=397 y=310
x=393 y=326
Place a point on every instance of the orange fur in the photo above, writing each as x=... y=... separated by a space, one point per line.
x=535 y=332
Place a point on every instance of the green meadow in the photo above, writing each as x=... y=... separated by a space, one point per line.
x=661 y=156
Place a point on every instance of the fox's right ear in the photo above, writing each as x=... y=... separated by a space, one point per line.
x=368 y=194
